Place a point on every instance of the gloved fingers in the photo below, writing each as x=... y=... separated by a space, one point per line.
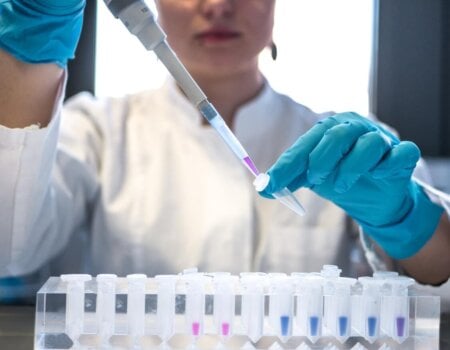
x=49 y=29
x=294 y=161
x=351 y=116
x=288 y=170
x=399 y=162
x=299 y=181
x=367 y=152
x=334 y=147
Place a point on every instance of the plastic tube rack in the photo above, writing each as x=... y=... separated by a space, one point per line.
x=298 y=311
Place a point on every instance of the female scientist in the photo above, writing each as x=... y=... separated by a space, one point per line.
x=141 y=184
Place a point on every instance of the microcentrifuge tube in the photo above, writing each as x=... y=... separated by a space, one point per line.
x=309 y=304
x=397 y=311
x=224 y=303
x=368 y=323
x=253 y=304
x=106 y=305
x=75 y=304
x=165 y=312
x=337 y=307
x=284 y=196
x=385 y=291
x=330 y=271
x=281 y=306
x=195 y=303
x=136 y=306
x=384 y=274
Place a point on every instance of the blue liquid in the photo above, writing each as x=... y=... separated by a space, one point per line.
x=313 y=326
x=371 y=325
x=343 y=323
x=400 y=326
x=284 y=325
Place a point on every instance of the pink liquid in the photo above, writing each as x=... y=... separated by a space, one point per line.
x=195 y=328
x=225 y=328
x=251 y=166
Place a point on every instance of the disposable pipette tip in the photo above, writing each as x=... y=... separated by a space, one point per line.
x=284 y=196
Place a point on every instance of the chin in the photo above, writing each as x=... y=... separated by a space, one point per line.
x=226 y=61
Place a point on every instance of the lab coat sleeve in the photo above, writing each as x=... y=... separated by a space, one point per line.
x=39 y=207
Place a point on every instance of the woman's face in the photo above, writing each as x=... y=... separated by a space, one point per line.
x=216 y=37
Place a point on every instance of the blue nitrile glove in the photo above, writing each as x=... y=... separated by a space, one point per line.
x=41 y=31
x=10 y=288
x=365 y=170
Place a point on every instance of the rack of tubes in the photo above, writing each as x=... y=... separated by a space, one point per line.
x=299 y=311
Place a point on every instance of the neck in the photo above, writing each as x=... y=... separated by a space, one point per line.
x=228 y=92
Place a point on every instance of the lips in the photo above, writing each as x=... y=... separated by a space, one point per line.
x=217 y=35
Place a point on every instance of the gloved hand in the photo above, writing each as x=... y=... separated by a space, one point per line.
x=41 y=31
x=365 y=170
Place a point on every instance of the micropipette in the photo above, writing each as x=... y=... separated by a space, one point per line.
x=140 y=21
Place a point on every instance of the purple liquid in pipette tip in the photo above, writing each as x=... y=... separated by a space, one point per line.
x=251 y=166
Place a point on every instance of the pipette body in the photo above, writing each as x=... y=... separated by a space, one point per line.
x=140 y=21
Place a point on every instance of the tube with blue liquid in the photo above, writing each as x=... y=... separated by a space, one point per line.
x=281 y=306
x=337 y=303
x=309 y=294
x=370 y=308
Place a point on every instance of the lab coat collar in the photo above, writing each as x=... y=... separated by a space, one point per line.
x=246 y=115
x=179 y=100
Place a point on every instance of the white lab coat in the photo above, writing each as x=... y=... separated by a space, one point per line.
x=147 y=187
x=140 y=184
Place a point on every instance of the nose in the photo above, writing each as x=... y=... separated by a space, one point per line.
x=218 y=8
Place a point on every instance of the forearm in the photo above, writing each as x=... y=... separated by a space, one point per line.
x=431 y=264
x=27 y=91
